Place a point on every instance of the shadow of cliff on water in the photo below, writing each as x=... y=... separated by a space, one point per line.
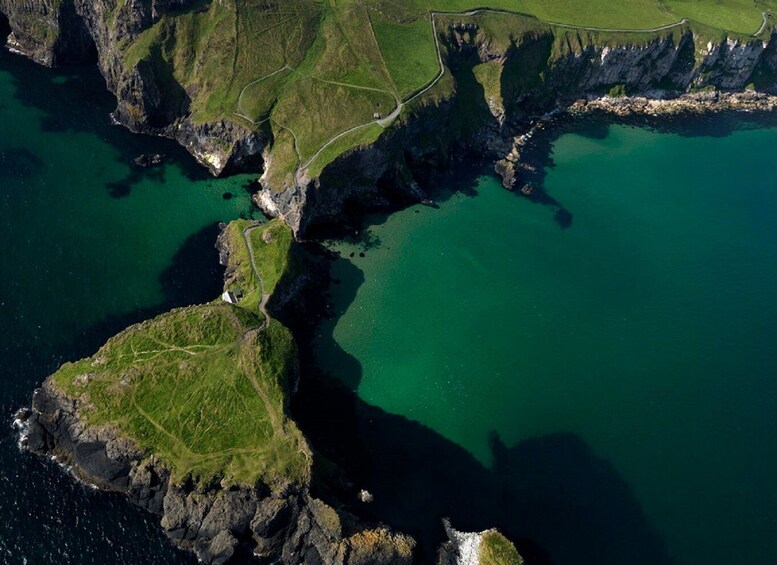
x=552 y=495
x=194 y=276
x=75 y=99
x=537 y=155
x=457 y=180
x=37 y=499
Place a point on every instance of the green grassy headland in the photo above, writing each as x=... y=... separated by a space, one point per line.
x=204 y=389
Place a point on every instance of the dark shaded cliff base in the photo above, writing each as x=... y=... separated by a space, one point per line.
x=5 y=28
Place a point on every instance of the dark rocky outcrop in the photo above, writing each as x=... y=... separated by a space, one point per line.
x=233 y=524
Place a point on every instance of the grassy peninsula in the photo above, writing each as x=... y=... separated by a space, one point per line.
x=204 y=388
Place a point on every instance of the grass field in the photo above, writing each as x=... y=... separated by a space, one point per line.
x=408 y=51
x=272 y=249
x=205 y=388
x=314 y=69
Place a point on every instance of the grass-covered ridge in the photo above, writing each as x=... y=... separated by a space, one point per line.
x=204 y=388
x=260 y=256
x=323 y=77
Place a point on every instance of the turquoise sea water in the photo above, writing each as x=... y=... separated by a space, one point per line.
x=614 y=381
x=89 y=244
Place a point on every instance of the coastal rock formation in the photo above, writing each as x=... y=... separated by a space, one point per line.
x=218 y=524
x=477 y=548
x=697 y=103
x=186 y=416
x=145 y=52
x=57 y=32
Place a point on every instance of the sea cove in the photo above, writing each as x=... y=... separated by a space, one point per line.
x=629 y=353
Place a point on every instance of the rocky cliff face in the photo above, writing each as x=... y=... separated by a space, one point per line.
x=235 y=524
x=48 y=31
x=56 y=32
x=542 y=71
x=542 y=67
x=372 y=177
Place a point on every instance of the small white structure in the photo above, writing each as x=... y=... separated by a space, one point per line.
x=376 y=115
x=232 y=296
x=365 y=496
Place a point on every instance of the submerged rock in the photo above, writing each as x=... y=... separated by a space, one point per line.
x=149 y=160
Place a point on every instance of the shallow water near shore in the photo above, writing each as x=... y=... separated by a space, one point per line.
x=90 y=244
x=603 y=388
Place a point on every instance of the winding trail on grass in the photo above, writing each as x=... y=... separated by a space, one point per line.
x=275 y=419
x=763 y=25
x=239 y=111
x=385 y=122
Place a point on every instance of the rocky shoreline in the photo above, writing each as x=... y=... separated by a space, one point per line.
x=517 y=170
x=686 y=104
x=235 y=524
x=218 y=522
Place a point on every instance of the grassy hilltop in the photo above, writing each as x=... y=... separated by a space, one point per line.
x=315 y=74
x=205 y=388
